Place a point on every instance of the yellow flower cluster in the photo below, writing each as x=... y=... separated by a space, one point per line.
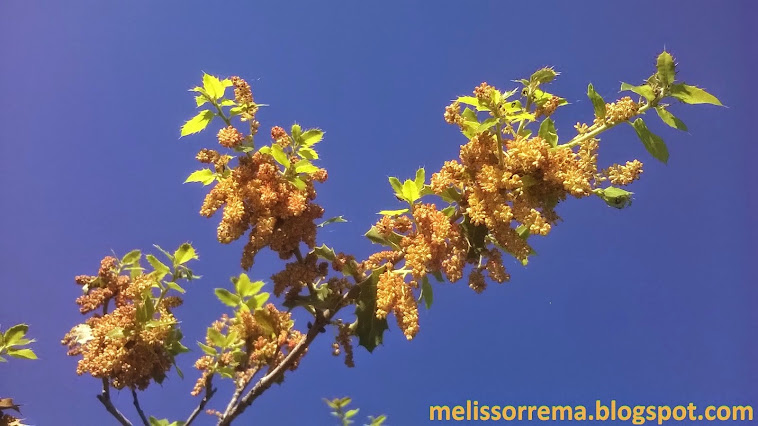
x=394 y=295
x=257 y=197
x=548 y=108
x=621 y=110
x=624 y=175
x=114 y=345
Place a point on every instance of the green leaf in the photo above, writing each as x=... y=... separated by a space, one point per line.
x=245 y=287
x=397 y=186
x=184 y=254
x=278 y=153
x=427 y=293
x=665 y=69
x=305 y=166
x=615 y=197
x=369 y=329
x=226 y=297
x=297 y=133
x=693 y=95
x=160 y=269
x=544 y=75
x=307 y=153
x=351 y=413
x=200 y=100
x=206 y=176
x=260 y=300
x=131 y=258
x=410 y=192
x=207 y=349
x=473 y=101
x=469 y=115
x=375 y=237
x=22 y=353
x=213 y=86
x=116 y=333
x=420 y=178
x=174 y=286
x=299 y=183
x=336 y=219
x=522 y=231
x=654 y=144
x=312 y=137
x=262 y=318
x=597 y=102
x=548 y=133
x=487 y=124
x=197 y=123
x=216 y=337
x=393 y=212
x=645 y=90
x=670 y=119
x=14 y=334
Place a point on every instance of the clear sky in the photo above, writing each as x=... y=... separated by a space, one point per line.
x=654 y=304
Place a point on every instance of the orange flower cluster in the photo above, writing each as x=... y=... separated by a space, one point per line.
x=297 y=275
x=394 y=295
x=343 y=341
x=267 y=337
x=115 y=345
x=621 y=110
x=548 y=108
x=8 y=420
x=256 y=196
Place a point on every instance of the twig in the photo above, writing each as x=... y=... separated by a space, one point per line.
x=269 y=379
x=209 y=391
x=139 y=409
x=105 y=399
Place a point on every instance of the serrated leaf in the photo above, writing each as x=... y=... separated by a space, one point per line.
x=184 y=254
x=261 y=299
x=200 y=100
x=307 y=153
x=375 y=237
x=654 y=144
x=312 y=137
x=22 y=353
x=670 y=119
x=213 y=86
x=427 y=293
x=14 y=334
x=368 y=328
x=645 y=90
x=216 y=337
x=227 y=102
x=305 y=166
x=336 y=219
x=226 y=297
x=693 y=95
x=543 y=76
x=598 y=104
x=197 y=123
x=410 y=192
x=393 y=212
x=278 y=153
x=160 y=269
x=665 y=69
x=548 y=133
x=470 y=116
x=131 y=258
x=397 y=186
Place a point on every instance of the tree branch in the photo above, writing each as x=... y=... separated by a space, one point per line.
x=139 y=409
x=105 y=399
x=209 y=391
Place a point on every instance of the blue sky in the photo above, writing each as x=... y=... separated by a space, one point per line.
x=649 y=305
